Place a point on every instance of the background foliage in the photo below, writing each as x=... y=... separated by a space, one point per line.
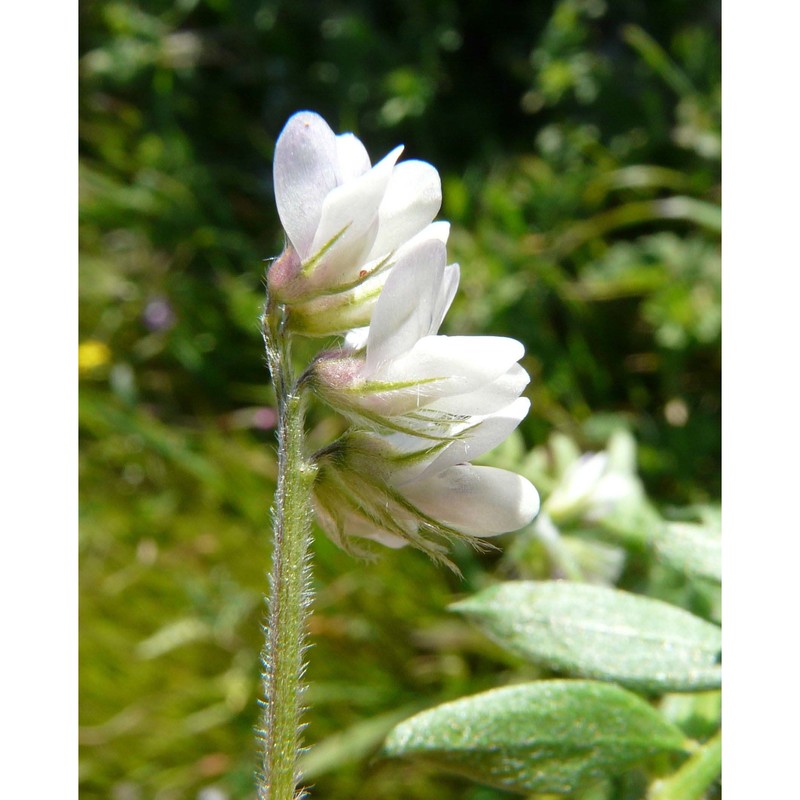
x=578 y=143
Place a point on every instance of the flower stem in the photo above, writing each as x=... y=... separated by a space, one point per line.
x=290 y=593
x=692 y=780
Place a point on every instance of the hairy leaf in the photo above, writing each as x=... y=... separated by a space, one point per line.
x=548 y=736
x=694 y=549
x=598 y=632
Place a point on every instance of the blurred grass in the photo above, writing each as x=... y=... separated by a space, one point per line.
x=580 y=166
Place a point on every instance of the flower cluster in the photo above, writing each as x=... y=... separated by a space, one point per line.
x=346 y=223
x=365 y=259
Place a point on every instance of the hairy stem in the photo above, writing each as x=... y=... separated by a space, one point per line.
x=290 y=594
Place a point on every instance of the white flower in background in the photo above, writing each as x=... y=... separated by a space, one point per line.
x=396 y=491
x=410 y=380
x=591 y=488
x=345 y=221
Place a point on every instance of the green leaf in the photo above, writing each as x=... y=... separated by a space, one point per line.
x=693 y=549
x=547 y=736
x=598 y=632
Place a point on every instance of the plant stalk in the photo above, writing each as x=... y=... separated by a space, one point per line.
x=289 y=589
x=692 y=780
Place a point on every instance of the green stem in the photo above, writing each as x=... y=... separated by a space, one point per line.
x=692 y=780
x=290 y=594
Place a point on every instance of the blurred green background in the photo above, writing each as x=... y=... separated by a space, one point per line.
x=578 y=143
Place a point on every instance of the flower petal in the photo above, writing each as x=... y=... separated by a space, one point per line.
x=365 y=295
x=405 y=309
x=436 y=230
x=577 y=484
x=354 y=524
x=488 y=398
x=353 y=159
x=440 y=366
x=447 y=291
x=413 y=198
x=349 y=222
x=304 y=173
x=356 y=339
x=613 y=489
x=479 y=501
x=482 y=436
x=382 y=537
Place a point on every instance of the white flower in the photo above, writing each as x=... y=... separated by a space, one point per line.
x=410 y=380
x=591 y=489
x=344 y=218
x=440 y=401
x=365 y=259
x=397 y=491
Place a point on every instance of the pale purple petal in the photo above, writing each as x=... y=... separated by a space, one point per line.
x=304 y=173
